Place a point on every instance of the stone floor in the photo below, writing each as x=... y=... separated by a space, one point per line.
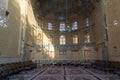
x=63 y=73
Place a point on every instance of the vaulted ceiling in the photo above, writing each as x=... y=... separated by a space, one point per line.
x=63 y=9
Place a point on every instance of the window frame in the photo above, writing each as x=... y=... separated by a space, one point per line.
x=62 y=40
x=50 y=26
x=62 y=27
x=75 y=25
x=75 y=39
x=87 y=22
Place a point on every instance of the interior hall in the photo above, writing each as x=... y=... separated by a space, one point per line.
x=59 y=40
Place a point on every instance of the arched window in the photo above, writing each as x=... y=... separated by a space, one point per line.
x=87 y=24
x=87 y=38
x=75 y=39
x=75 y=26
x=62 y=27
x=62 y=40
x=3 y=13
x=50 y=26
x=50 y=37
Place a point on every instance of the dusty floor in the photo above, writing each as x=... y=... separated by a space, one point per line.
x=63 y=73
